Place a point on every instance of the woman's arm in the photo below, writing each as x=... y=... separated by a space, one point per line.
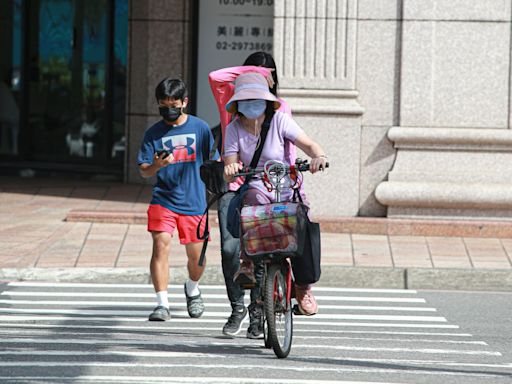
x=313 y=150
x=231 y=166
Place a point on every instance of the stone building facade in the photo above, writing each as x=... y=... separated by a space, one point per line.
x=411 y=99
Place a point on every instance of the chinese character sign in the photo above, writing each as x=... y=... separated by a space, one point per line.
x=229 y=31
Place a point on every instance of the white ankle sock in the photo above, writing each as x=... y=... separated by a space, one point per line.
x=161 y=298
x=192 y=287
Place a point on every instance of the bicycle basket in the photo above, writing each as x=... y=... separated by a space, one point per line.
x=277 y=228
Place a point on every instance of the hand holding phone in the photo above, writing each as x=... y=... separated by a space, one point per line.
x=163 y=154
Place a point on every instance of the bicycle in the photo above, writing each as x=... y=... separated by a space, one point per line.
x=277 y=283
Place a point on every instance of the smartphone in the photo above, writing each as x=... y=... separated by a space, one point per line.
x=164 y=153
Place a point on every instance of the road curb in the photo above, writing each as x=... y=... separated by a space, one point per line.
x=459 y=279
x=332 y=276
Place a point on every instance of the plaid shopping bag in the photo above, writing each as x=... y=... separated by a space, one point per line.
x=273 y=228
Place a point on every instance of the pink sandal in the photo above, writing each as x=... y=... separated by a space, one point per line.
x=306 y=300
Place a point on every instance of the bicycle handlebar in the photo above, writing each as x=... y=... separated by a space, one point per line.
x=300 y=166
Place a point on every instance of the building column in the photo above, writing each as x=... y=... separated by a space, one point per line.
x=160 y=45
x=453 y=142
x=315 y=52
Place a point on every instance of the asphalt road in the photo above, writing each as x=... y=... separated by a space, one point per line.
x=66 y=333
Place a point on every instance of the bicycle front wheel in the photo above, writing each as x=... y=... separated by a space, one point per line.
x=265 y=334
x=278 y=311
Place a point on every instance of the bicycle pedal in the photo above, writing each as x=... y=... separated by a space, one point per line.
x=244 y=282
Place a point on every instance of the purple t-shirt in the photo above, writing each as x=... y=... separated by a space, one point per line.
x=240 y=141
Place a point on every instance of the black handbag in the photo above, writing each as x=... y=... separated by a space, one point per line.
x=212 y=171
x=234 y=208
x=306 y=268
x=212 y=175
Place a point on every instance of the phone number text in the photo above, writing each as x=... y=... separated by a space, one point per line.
x=242 y=46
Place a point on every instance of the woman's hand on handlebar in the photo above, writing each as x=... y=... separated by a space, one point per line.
x=318 y=164
x=230 y=170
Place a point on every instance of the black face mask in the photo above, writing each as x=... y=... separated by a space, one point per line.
x=170 y=114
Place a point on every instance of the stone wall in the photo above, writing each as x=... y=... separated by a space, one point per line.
x=379 y=39
x=453 y=136
x=160 y=45
x=315 y=47
x=411 y=99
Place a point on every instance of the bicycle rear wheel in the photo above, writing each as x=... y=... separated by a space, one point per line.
x=278 y=311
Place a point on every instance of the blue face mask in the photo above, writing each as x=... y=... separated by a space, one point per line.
x=252 y=109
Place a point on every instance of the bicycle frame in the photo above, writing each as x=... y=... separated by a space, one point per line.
x=273 y=175
x=278 y=313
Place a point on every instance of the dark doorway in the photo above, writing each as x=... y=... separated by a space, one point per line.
x=67 y=75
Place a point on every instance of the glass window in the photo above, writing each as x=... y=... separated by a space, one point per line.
x=66 y=71
x=10 y=75
x=94 y=65
x=119 y=77
x=67 y=91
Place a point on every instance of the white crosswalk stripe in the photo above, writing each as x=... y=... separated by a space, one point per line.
x=180 y=380
x=206 y=296
x=71 y=332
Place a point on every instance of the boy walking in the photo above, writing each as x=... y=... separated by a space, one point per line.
x=173 y=149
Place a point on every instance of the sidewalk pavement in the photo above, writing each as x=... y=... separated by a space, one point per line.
x=108 y=242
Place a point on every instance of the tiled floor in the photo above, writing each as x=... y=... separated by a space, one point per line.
x=33 y=233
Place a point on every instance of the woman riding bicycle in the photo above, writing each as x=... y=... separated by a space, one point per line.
x=251 y=103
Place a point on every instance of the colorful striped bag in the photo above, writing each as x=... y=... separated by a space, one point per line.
x=277 y=228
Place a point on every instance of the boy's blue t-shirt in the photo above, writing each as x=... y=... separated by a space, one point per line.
x=179 y=186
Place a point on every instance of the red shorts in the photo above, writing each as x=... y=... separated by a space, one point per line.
x=161 y=219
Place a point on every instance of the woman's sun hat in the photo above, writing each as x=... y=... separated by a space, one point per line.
x=251 y=86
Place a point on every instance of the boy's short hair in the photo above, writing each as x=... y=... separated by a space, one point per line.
x=171 y=89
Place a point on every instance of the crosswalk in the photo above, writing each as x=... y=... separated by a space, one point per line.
x=99 y=333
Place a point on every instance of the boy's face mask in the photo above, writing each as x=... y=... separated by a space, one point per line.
x=252 y=109
x=170 y=114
